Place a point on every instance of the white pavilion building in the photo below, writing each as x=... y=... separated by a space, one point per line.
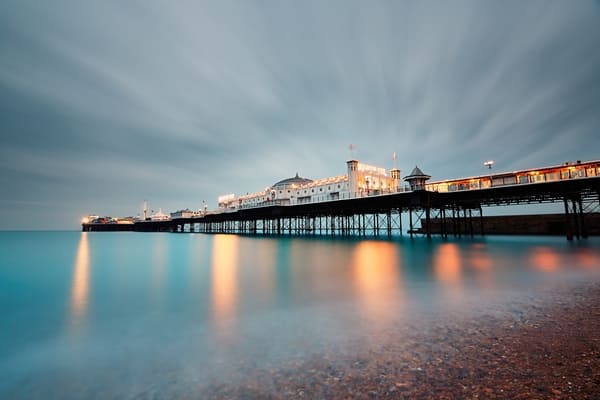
x=361 y=180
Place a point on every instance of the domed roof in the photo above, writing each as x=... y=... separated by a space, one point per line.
x=293 y=180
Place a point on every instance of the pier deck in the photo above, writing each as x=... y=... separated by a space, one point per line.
x=454 y=212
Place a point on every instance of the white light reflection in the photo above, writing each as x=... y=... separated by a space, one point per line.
x=80 y=285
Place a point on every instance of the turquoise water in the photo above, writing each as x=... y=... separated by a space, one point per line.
x=130 y=315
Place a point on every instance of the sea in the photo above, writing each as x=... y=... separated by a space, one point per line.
x=175 y=315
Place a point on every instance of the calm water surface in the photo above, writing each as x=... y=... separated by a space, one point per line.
x=118 y=315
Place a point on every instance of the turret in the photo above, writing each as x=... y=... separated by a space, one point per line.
x=352 y=177
x=396 y=184
x=417 y=179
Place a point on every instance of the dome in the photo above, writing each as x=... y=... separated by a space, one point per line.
x=293 y=180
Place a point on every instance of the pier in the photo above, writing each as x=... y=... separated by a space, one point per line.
x=450 y=207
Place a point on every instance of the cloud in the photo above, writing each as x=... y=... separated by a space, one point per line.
x=105 y=103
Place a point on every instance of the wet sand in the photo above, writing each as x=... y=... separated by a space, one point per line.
x=543 y=347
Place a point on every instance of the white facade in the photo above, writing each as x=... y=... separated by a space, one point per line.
x=184 y=214
x=361 y=180
x=160 y=216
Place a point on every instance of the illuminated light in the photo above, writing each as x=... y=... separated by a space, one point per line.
x=226 y=197
x=85 y=220
x=489 y=164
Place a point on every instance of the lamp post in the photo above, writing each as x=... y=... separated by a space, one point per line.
x=489 y=164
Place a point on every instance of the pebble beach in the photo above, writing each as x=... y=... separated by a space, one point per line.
x=539 y=349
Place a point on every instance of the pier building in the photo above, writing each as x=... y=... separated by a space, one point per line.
x=187 y=213
x=556 y=173
x=361 y=180
x=367 y=201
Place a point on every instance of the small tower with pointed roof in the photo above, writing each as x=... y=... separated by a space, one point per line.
x=417 y=179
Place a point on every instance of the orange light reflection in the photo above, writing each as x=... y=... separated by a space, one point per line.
x=224 y=278
x=545 y=259
x=447 y=264
x=376 y=277
x=480 y=260
x=587 y=259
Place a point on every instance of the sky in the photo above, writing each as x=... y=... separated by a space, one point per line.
x=105 y=104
